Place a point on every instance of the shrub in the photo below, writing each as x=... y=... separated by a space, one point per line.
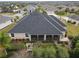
x=2 y=53
x=44 y=50
x=61 y=13
x=73 y=22
x=69 y=21
x=62 y=52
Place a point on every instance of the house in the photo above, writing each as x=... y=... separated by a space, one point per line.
x=38 y=26
x=16 y=10
x=73 y=19
x=49 y=9
x=0 y=9
x=61 y=8
x=31 y=8
x=5 y=21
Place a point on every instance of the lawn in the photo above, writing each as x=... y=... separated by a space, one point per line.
x=62 y=13
x=72 y=29
x=9 y=14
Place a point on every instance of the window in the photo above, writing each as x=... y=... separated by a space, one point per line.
x=41 y=37
x=49 y=37
x=34 y=37
x=12 y=34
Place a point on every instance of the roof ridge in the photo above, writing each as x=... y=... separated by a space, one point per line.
x=57 y=22
x=51 y=23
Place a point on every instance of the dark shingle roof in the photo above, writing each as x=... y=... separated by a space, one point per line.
x=36 y=23
x=3 y=19
x=52 y=20
x=58 y=20
x=74 y=17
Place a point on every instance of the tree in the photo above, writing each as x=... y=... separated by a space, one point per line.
x=62 y=52
x=77 y=12
x=61 y=13
x=67 y=10
x=75 y=47
x=25 y=14
x=75 y=52
x=74 y=41
x=16 y=18
x=4 y=42
x=41 y=10
x=60 y=8
x=72 y=11
x=4 y=39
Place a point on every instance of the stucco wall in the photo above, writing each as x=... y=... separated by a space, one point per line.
x=5 y=24
x=19 y=36
x=49 y=12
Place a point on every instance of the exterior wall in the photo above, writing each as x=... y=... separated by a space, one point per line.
x=19 y=36
x=63 y=38
x=5 y=24
x=15 y=10
x=49 y=12
x=22 y=36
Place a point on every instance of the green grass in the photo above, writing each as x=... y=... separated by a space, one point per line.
x=7 y=13
x=72 y=30
x=62 y=13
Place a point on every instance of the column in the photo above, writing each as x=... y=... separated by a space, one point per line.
x=29 y=37
x=61 y=37
x=52 y=37
x=44 y=36
x=37 y=37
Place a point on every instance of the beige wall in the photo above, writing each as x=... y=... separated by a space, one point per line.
x=19 y=36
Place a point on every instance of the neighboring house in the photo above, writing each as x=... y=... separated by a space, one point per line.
x=61 y=8
x=73 y=19
x=0 y=9
x=31 y=8
x=5 y=21
x=49 y=9
x=37 y=26
x=16 y=10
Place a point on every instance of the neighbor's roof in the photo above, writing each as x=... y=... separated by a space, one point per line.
x=74 y=17
x=37 y=23
x=3 y=19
